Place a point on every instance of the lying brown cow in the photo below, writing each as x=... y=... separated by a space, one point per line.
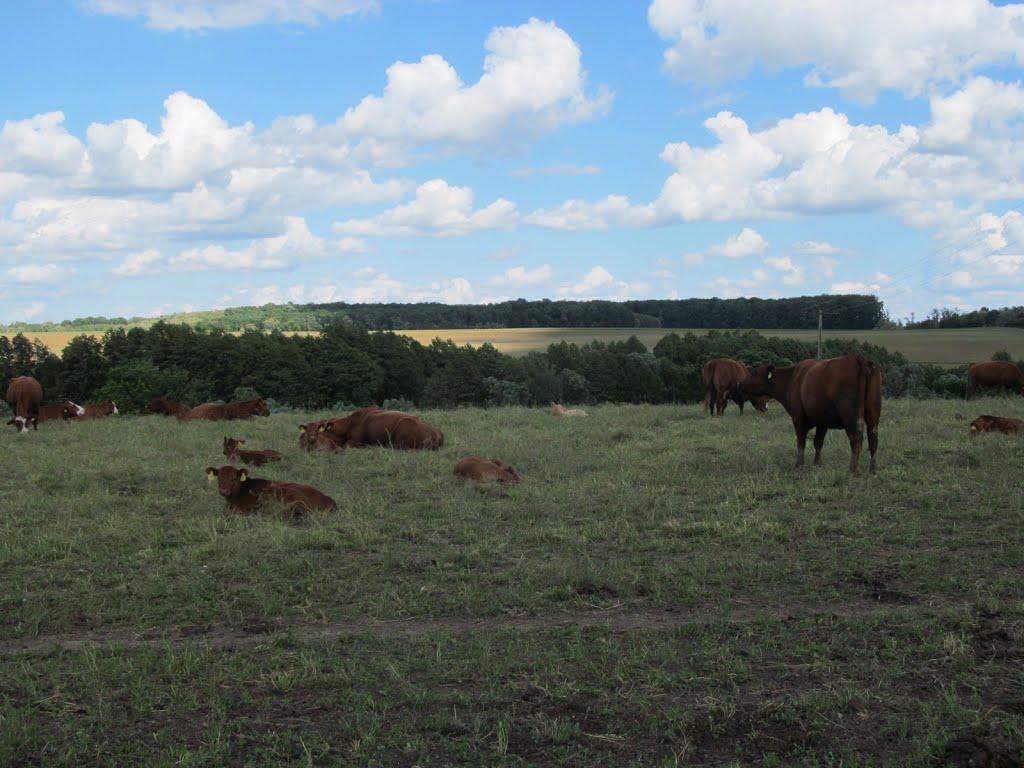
x=99 y=410
x=65 y=410
x=374 y=426
x=242 y=409
x=245 y=495
x=256 y=458
x=481 y=470
x=997 y=373
x=24 y=395
x=166 y=406
x=722 y=378
x=1002 y=424
x=838 y=393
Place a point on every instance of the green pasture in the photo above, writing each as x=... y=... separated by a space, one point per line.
x=663 y=588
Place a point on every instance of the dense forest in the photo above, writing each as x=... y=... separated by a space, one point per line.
x=346 y=366
x=852 y=311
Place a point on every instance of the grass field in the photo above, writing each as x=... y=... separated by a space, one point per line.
x=663 y=588
x=943 y=347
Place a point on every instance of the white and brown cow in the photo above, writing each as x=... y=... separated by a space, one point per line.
x=24 y=395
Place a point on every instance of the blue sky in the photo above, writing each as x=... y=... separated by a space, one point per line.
x=160 y=156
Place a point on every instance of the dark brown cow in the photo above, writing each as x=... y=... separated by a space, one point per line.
x=483 y=470
x=722 y=378
x=245 y=495
x=243 y=409
x=838 y=393
x=24 y=395
x=339 y=430
x=256 y=458
x=166 y=406
x=1002 y=424
x=99 y=410
x=65 y=410
x=997 y=373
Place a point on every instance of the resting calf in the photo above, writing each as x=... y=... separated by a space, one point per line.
x=245 y=495
x=256 y=458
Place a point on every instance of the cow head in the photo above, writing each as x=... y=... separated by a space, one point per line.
x=260 y=408
x=70 y=410
x=230 y=480
x=758 y=382
x=760 y=402
x=231 y=445
x=21 y=423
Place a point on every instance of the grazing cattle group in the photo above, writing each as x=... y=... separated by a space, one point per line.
x=722 y=378
x=837 y=393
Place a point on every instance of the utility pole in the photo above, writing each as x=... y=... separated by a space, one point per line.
x=819 y=333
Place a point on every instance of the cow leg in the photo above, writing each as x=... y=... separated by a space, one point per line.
x=872 y=446
x=819 y=441
x=709 y=400
x=856 y=435
x=801 y=443
x=719 y=403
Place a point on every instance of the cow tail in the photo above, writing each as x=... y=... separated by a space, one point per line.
x=867 y=372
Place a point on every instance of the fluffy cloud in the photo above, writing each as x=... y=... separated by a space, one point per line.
x=599 y=283
x=37 y=273
x=857 y=47
x=212 y=14
x=747 y=243
x=533 y=82
x=523 y=276
x=815 y=246
x=439 y=209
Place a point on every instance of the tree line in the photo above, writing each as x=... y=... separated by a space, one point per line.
x=1008 y=317
x=346 y=366
x=850 y=312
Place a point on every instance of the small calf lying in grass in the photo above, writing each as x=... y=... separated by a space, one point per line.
x=558 y=411
x=476 y=468
x=256 y=458
x=997 y=424
x=245 y=495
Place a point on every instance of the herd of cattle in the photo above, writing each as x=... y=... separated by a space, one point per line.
x=837 y=393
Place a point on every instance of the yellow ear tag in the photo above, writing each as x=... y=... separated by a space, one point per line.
x=210 y=475
x=243 y=476
x=321 y=429
x=974 y=428
x=769 y=374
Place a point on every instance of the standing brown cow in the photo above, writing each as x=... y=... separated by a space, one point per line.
x=997 y=373
x=722 y=378
x=837 y=393
x=24 y=395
